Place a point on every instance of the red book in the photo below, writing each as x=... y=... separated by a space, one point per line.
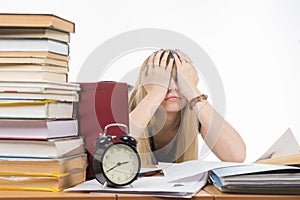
x=101 y=104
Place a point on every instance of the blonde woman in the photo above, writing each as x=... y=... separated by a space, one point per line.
x=167 y=113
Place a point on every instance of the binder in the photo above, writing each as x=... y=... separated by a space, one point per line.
x=100 y=104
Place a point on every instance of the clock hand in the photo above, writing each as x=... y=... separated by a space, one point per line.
x=117 y=165
x=122 y=163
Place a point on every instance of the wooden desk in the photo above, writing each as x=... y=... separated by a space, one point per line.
x=208 y=193
x=222 y=196
x=202 y=195
x=36 y=195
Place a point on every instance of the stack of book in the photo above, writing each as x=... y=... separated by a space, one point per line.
x=40 y=147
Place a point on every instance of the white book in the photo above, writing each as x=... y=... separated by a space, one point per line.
x=35 y=109
x=40 y=85
x=39 y=90
x=29 y=67
x=37 y=129
x=34 y=45
x=32 y=60
x=22 y=75
x=56 y=148
x=69 y=97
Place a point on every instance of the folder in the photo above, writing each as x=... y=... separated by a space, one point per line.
x=100 y=104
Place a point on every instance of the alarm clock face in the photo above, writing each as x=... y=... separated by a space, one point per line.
x=120 y=165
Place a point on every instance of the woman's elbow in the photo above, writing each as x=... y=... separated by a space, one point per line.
x=238 y=154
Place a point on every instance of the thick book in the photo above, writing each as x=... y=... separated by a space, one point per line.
x=35 y=33
x=36 y=109
x=36 y=20
x=21 y=55
x=37 y=129
x=42 y=183
x=69 y=97
x=38 y=166
x=26 y=75
x=33 y=60
x=39 y=86
x=34 y=45
x=52 y=148
x=39 y=90
x=33 y=67
x=257 y=178
x=293 y=160
x=281 y=153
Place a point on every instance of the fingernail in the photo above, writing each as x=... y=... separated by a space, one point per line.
x=172 y=54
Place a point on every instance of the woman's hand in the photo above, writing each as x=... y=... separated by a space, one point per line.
x=157 y=74
x=187 y=76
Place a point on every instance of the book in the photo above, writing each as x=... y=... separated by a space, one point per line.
x=293 y=160
x=35 y=33
x=257 y=178
x=38 y=166
x=18 y=75
x=39 y=91
x=37 y=129
x=69 y=97
x=36 y=20
x=41 y=183
x=33 y=60
x=52 y=148
x=21 y=55
x=101 y=103
x=39 y=86
x=281 y=153
x=34 y=67
x=34 y=45
x=36 y=109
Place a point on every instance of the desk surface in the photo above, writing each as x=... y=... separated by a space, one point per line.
x=36 y=195
x=208 y=193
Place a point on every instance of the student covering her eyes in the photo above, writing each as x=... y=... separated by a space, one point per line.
x=167 y=113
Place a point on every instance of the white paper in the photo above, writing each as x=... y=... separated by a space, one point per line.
x=190 y=170
x=250 y=168
x=286 y=145
x=154 y=186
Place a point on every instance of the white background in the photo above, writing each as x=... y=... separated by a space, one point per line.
x=254 y=44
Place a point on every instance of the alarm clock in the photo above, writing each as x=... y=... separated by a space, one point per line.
x=116 y=164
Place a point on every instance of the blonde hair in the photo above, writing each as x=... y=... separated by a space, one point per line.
x=187 y=140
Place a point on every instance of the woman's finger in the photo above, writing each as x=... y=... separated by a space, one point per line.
x=157 y=58
x=170 y=64
x=151 y=60
x=177 y=60
x=183 y=56
x=163 y=61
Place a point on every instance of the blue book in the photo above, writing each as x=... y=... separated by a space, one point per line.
x=257 y=178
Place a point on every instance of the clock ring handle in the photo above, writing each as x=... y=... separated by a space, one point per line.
x=116 y=124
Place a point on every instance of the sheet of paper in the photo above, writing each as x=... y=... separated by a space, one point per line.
x=250 y=168
x=154 y=186
x=191 y=169
x=286 y=145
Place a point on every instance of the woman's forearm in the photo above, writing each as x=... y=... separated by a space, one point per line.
x=219 y=135
x=142 y=114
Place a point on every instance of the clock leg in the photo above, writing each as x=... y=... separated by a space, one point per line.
x=104 y=185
